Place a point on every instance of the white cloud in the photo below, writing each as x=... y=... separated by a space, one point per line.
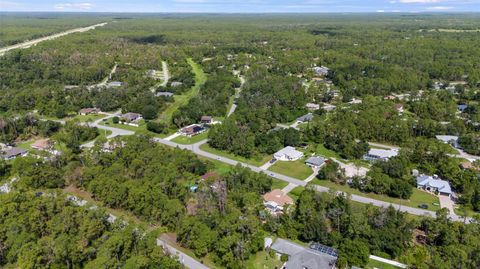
x=439 y=8
x=73 y=6
x=419 y=1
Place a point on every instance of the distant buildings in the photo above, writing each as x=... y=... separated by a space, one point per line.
x=299 y=257
x=165 y=94
x=115 y=84
x=305 y=118
x=176 y=84
x=89 y=110
x=206 y=119
x=312 y=106
x=131 y=117
x=380 y=154
x=12 y=153
x=275 y=201
x=399 y=108
x=329 y=107
x=321 y=70
x=449 y=139
x=434 y=184
x=315 y=162
x=288 y=154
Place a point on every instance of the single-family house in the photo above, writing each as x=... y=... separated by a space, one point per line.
x=312 y=106
x=192 y=130
x=449 y=139
x=165 y=94
x=355 y=101
x=115 y=84
x=12 y=153
x=329 y=107
x=89 y=110
x=389 y=97
x=131 y=117
x=462 y=107
x=206 y=119
x=176 y=84
x=434 y=184
x=151 y=73
x=288 y=154
x=321 y=70
x=275 y=201
x=305 y=118
x=380 y=154
x=399 y=108
x=42 y=144
x=315 y=162
x=299 y=257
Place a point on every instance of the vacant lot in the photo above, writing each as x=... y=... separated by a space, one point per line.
x=296 y=169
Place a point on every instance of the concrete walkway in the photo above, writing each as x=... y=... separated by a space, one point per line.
x=446 y=202
x=289 y=188
x=183 y=258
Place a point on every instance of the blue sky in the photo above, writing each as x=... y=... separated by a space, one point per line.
x=242 y=6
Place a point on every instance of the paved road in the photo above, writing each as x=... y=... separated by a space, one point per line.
x=237 y=92
x=183 y=258
x=30 y=43
x=115 y=131
x=195 y=148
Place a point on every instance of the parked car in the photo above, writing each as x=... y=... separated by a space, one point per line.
x=423 y=206
x=273 y=160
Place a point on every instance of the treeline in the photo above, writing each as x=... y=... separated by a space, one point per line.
x=67 y=236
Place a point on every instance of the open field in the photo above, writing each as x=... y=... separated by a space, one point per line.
x=418 y=197
x=262 y=260
x=181 y=100
x=258 y=161
x=296 y=169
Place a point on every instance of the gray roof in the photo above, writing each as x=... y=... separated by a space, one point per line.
x=434 y=182
x=447 y=138
x=383 y=153
x=303 y=257
x=168 y=94
x=306 y=117
x=317 y=161
x=13 y=152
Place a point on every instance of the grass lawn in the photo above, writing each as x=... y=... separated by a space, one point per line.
x=462 y=211
x=322 y=150
x=295 y=193
x=380 y=265
x=185 y=140
x=220 y=167
x=418 y=197
x=262 y=260
x=278 y=184
x=141 y=129
x=26 y=144
x=296 y=169
x=259 y=161
x=181 y=100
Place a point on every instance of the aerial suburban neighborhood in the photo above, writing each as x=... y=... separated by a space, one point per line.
x=209 y=138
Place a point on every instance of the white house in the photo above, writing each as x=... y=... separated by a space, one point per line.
x=380 y=154
x=288 y=154
x=312 y=106
x=449 y=139
x=434 y=184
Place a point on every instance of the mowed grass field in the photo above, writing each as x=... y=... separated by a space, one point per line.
x=185 y=140
x=181 y=100
x=296 y=169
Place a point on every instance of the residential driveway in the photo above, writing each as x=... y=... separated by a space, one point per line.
x=173 y=136
x=289 y=188
x=446 y=202
x=267 y=165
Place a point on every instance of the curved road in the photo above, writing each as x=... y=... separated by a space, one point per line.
x=115 y=131
x=195 y=148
